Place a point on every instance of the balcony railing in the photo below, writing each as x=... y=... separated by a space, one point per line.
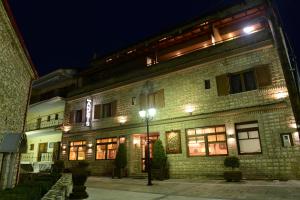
x=29 y=157
x=43 y=122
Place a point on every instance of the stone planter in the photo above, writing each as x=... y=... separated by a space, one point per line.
x=235 y=176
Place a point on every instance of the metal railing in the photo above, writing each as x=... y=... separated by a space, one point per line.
x=37 y=123
x=30 y=158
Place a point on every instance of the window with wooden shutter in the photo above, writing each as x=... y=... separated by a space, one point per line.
x=151 y=100
x=159 y=99
x=263 y=75
x=222 y=85
x=72 y=116
x=114 y=108
x=97 y=111
x=78 y=116
x=143 y=102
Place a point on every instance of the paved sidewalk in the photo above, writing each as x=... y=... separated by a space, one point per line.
x=104 y=188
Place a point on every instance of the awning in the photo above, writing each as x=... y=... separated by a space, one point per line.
x=10 y=142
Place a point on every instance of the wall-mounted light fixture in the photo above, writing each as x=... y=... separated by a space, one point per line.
x=189 y=109
x=248 y=29
x=122 y=119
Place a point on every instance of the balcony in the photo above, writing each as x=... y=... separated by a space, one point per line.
x=45 y=122
x=30 y=158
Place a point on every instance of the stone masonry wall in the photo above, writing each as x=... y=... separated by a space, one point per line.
x=186 y=87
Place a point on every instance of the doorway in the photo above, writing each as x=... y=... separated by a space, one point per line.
x=144 y=148
x=42 y=149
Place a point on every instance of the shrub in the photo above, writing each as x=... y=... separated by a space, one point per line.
x=159 y=155
x=159 y=161
x=120 y=161
x=232 y=161
x=58 y=166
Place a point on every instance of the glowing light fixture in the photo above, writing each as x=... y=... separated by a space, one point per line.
x=122 y=119
x=189 y=108
x=248 y=29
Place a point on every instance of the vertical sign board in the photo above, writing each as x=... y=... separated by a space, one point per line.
x=88 y=112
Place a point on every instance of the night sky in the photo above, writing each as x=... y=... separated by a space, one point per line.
x=67 y=33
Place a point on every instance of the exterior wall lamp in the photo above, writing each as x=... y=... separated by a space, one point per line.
x=189 y=109
x=148 y=115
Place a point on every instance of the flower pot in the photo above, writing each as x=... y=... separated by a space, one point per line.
x=235 y=176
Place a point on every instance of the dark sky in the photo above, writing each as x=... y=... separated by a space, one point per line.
x=66 y=33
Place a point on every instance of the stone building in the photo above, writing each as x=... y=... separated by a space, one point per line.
x=45 y=118
x=220 y=85
x=16 y=75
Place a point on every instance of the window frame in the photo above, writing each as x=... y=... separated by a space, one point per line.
x=106 y=145
x=206 y=141
x=242 y=80
x=247 y=129
x=83 y=144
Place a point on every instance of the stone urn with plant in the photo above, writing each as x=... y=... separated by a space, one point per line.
x=79 y=177
x=234 y=174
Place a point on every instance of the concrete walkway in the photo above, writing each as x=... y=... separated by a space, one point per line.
x=104 y=188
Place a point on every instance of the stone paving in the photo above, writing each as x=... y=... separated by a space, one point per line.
x=178 y=189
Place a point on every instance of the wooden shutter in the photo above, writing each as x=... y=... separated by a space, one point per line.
x=151 y=100
x=97 y=111
x=263 y=75
x=114 y=108
x=222 y=85
x=143 y=102
x=159 y=99
x=72 y=116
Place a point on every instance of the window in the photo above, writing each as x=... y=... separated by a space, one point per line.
x=152 y=100
x=286 y=139
x=78 y=116
x=248 y=138
x=207 y=84
x=48 y=118
x=251 y=79
x=77 y=150
x=31 y=147
x=105 y=110
x=207 y=141
x=56 y=116
x=133 y=101
x=242 y=82
x=107 y=148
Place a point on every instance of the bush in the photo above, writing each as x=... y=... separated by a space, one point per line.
x=159 y=161
x=58 y=166
x=232 y=161
x=121 y=160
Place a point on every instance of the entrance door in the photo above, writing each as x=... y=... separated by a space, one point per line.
x=42 y=149
x=144 y=148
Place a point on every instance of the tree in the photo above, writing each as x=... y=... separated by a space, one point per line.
x=121 y=159
x=159 y=161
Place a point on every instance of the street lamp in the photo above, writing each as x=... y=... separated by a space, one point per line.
x=148 y=115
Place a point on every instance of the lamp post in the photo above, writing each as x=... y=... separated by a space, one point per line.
x=148 y=115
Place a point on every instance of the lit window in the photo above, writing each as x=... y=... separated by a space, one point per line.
x=106 y=148
x=207 y=141
x=77 y=150
x=248 y=138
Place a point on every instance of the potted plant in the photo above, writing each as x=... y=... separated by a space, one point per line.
x=79 y=177
x=234 y=174
x=121 y=161
x=159 y=161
